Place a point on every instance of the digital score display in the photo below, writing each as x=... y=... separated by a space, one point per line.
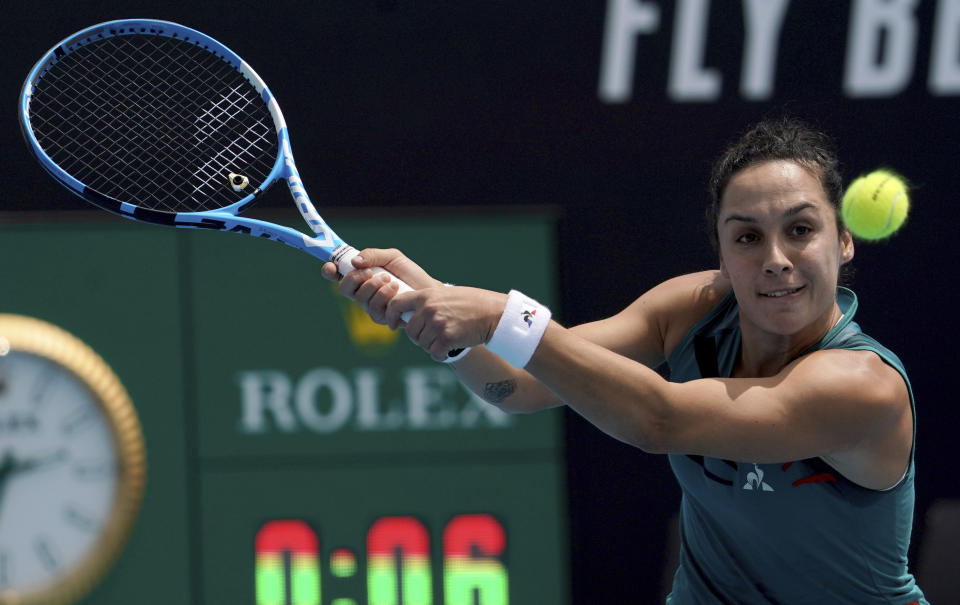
x=399 y=569
x=439 y=533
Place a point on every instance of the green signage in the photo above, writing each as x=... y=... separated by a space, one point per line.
x=298 y=453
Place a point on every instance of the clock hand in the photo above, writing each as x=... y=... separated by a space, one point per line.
x=30 y=464
x=7 y=466
x=10 y=466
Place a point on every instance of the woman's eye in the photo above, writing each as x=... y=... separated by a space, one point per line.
x=801 y=230
x=747 y=238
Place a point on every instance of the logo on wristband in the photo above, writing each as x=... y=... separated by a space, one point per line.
x=527 y=316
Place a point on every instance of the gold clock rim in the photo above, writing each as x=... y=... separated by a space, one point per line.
x=44 y=339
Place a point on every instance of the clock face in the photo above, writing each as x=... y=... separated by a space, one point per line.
x=71 y=464
x=59 y=471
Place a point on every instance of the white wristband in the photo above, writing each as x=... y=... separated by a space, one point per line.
x=520 y=329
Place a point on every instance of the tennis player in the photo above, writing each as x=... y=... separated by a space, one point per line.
x=790 y=431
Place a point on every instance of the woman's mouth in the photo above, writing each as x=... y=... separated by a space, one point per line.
x=782 y=292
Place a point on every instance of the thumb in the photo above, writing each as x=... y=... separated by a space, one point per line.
x=375 y=257
x=393 y=261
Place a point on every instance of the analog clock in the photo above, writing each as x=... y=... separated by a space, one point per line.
x=72 y=464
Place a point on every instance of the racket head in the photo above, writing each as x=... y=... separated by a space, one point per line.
x=149 y=119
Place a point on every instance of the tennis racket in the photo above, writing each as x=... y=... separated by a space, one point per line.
x=162 y=124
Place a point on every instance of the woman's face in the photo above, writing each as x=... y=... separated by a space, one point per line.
x=780 y=248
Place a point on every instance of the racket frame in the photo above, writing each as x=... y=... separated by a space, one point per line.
x=325 y=245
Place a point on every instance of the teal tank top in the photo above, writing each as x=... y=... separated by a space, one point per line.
x=793 y=532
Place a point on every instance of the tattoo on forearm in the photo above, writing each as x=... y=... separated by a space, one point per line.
x=496 y=392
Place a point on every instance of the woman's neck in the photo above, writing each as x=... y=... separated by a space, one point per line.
x=765 y=354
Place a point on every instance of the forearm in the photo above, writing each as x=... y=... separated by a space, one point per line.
x=576 y=367
x=621 y=397
x=500 y=384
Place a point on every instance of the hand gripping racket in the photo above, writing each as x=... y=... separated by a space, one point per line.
x=160 y=123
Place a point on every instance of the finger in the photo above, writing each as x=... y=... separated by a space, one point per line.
x=400 y=304
x=352 y=281
x=329 y=272
x=370 y=286
x=440 y=349
x=360 y=261
x=377 y=306
x=413 y=327
x=435 y=343
x=427 y=334
x=374 y=257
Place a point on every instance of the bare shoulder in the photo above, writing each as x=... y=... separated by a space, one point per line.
x=859 y=377
x=864 y=403
x=855 y=397
x=680 y=302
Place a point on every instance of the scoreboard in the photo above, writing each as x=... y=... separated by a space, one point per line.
x=299 y=454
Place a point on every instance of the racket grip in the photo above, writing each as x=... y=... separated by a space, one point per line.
x=345 y=265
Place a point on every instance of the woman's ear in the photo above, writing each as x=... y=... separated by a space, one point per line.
x=846 y=247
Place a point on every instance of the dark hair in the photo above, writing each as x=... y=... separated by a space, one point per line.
x=777 y=139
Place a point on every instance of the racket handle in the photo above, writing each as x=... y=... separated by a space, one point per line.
x=345 y=265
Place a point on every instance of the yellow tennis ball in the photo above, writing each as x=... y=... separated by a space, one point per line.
x=875 y=205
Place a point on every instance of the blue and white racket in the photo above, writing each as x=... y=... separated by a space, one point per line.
x=160 y=123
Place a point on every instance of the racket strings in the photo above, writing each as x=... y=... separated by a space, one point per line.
x=155 y=121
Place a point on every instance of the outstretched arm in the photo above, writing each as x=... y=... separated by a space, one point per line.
x=446 y=317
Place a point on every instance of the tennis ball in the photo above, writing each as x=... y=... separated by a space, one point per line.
x=875 y=205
